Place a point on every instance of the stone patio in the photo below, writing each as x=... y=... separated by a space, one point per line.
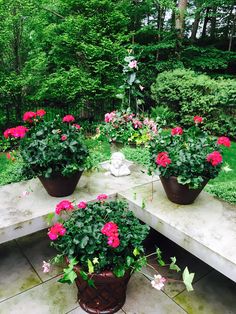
x=24 y=288
x=205 y=229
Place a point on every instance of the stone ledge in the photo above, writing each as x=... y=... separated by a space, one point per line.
x=207 y=228
x=22 y=215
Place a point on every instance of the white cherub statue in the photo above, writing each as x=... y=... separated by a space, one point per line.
x=118 y=166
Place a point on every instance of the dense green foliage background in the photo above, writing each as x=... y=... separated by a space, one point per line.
x=68 y=54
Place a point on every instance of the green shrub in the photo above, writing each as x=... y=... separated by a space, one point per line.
x=188 y=94
x=163 y=116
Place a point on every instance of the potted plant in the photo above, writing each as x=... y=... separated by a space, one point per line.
x=102 y=242
x=124 y=127
x=186 y=160
x=53 y=150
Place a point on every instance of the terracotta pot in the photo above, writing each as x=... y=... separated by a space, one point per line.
x=179 y=193
x=59 y=185
x=107 y=297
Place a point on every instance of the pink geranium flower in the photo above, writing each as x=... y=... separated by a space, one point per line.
x=163 y=159
x=214 y=158
x=68 y=118
x=82 y=205
x=197 y=119
x=77 y=126
x=63 y=137
x=102 y=197
x=177 y=131
x=223 y=140
x=56 y=231
x=17 y=132
x=64 y=205
x=40 y=112
x=29 y=116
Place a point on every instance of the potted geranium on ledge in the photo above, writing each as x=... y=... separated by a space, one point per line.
x=53 y=150
x=102 y=242
x=186 y=160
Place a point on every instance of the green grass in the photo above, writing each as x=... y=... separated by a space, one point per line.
x=224 y=186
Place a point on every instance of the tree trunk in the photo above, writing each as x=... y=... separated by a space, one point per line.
x=179 y=22
x=196 y=22
x=206 y=19
x=213 y=22
x=232 y=33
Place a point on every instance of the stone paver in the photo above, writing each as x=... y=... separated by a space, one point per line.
x=214 y=294
x=183 y=259
x=206 y=228
x=37 y=249
x=50 y=297
x=143 y=299
x=16 y=274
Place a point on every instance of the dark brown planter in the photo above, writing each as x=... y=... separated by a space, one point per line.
x=59 y=185
x=107 y=297
x=179 y=193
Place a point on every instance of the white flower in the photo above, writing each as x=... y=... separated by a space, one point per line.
x=46 y=267
x=158 y=282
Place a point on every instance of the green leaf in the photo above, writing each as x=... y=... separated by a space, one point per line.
x=173 y=266
x=83 y=275
x=188 y=279
x=84 y=242
x=91 y=283
x=136 y=252
x=159 y=257
x=119 y=271
x=49 y=218
x=90 y=267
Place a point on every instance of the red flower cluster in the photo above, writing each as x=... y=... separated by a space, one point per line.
x=63 y=205
x=102 y=197
x=223 y=140
x=56 y=230
x=29 y=116
x=177 y=131
x=82 y=205
x=68 y=118
x=163 y=159
x=197 y=119
x=110 y=229
x=214 y=158
x=16 y=132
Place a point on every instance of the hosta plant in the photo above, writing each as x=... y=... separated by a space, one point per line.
x=192 y=155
